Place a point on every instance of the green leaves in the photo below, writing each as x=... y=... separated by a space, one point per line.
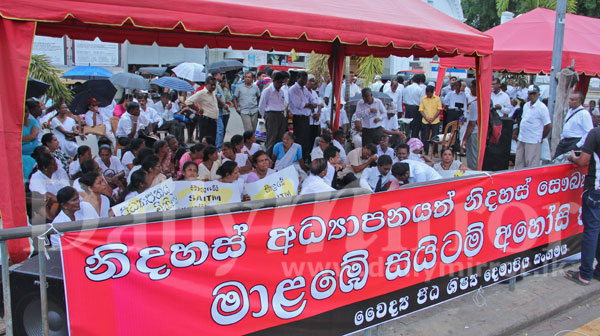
x=368 y=68
x=40 y=68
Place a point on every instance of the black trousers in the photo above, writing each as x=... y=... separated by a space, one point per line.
x=452 y=115
x=434 y=129
x=412 y=111
x=371 y=135
x=302 y=133
x=315 y=131
x=208 y=127
x=276 y=124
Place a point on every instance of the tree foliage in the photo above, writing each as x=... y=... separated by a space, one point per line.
x=589 y=8
x=524 y=6
x=317 y=65
x=41 y=69
x=480 y=14
x=368 y=68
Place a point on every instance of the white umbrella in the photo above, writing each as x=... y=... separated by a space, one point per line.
x=190 y=71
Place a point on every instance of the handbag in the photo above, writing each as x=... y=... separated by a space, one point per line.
x=182 y=118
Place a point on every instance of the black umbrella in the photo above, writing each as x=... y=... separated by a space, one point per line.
x=36 y=88
x=385 y=99
x=224 y=66
x=101 y=89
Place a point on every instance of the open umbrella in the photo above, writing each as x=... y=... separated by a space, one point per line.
x=36 y=88
x=173 y=83
x=87 y=72
x=129 y=81
x=156 y=71
x=101 y=89
x=224 y=66
x=190 y=71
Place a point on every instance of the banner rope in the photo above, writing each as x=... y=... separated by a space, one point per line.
x=44 y=235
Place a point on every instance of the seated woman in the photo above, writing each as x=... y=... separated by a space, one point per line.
x=228 y=153
x=416 y=151
x=134 y=147
x=154 y=176
x=51 y=141
x=66 y=129
x=29 y=141
x=230 y=173
x=94 y=185
x=287 y=153
x=189 y=171
x=250 y=145
x=111 y=167
x=262 y=165
x=195 y=154
x=121 y=107
x=46 y=182
x=207 y=170
x=71 y=209
x=136 y=187
x=161 y=150
x=83 y=153
x=448 y=163
x=139 y=158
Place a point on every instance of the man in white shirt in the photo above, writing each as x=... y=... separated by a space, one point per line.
x=166 y=109
x=339 y=139
x=301 y=106
x=371 y=112
x=395 y=92
x=446 y=89
x=272 y=107
x=417 y=172
x=535 y=126
x=354 y=90
x=323 y=142
x=456 y=102
x=470 y=139
x=315 y=183
x=129 y=124
x=150 y=115
x=315 y=113
x=500 y=99
x=334 y=164
x=383 y=148
x=376 y=178
x=578 y=122
x=412 y=96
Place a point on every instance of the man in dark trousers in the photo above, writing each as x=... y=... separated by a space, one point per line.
x=271 y=107
x=590 y=210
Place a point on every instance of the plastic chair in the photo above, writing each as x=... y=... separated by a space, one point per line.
x=114 y=123
x=448 y=137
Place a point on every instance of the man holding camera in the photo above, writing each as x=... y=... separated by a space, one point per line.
x=456 y=102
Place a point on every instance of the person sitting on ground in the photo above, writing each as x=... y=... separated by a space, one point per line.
x=323 y=141
x=189 y=171
x=83 y=153
x=111 y=167
x=45 y=181
x=208 y=141
x=287 y=153
x=154 y=176
x=250 y=145
x=71 y=209
x=383 y=148
x=51 y=141
x=121 y=107
x=136 y=187
x=401 y=173
x=334 y=165
x=195 y=154
x=139 y=158
x=262 y=165
x=416 y=151
x=339 y=139
x=161 y=150
x=207 y=170
x=129 y=156
x=242 y=159
x=94 y=186
x=66 y=129
x=377 y=178
x=448 y=162
x=228 y=153
x=358 y=160
x=315 y=182
x=421 y=172
x=130 y=124
x=229 y=172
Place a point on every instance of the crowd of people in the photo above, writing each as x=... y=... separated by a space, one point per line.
x=142 y=138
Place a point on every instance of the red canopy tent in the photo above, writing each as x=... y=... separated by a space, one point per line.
x=524 y=45
x=337 y=28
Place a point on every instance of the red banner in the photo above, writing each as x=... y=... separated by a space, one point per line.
x=280 y=268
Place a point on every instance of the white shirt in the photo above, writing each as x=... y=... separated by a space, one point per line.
x=534 y=118
x=314 y=184
x=298 y=98
x=127 y=159
x=370 y=177
x=412 y=94
x=328 y=178
x=503 y=100
x=86 y=211
x=363 y=110
x=578 y=126
x=125 y=125
x=341 y=148
x=89 y=119
x=472 y=112
x=316 y=153
x=354 y=90
x=452 y=98
x=115 y=165
x=253 y=149
x=396 y=96
x=151 y=116
x=390 y=124
x=314 y=98
x=163 y=111
x=271 y=100
x=326 y=116
x=420 y=172
x=42 y=184
x=389 y=151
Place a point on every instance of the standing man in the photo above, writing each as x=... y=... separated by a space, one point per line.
x=245 y=100
x=578 y=122
x=430 y=109
x=590 y=210
x=271 y=107
x=446 y=89
x=535 y=126
x=370 y=112
x=395 y=91
x=204 y=103
x=501 y=99
x=315 y=113
x=301 y=106
x=469 y=142
x=412 y=96
x=456 y=101
x=223 y=109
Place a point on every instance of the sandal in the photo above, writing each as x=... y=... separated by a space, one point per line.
x=574 y=276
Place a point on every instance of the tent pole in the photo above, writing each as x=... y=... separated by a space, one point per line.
x=559 y=36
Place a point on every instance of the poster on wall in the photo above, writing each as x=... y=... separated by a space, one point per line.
x=96 y=53
x=53 y=47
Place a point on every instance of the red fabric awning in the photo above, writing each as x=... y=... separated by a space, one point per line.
x=525 y=44
x=378 y=27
